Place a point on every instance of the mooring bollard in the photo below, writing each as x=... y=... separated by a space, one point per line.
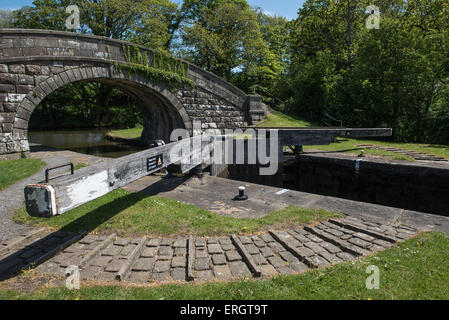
x=242 y=196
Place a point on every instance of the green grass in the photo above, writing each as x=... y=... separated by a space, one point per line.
x=12 y=171
x=133 y=133
x=136 y=213
x=414 y=269
x=279 y=119
x=348 y=145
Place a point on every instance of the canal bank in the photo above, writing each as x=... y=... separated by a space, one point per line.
x=419 y=186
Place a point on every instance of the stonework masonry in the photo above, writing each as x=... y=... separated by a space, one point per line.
x=35 y=63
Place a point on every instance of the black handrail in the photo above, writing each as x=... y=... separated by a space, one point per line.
x=72 y=170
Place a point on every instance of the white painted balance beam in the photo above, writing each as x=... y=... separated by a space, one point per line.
x=67 y=192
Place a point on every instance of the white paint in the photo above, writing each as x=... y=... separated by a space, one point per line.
x=14 y=97
x=282 y=192
x=52 y=194
x=87 y=189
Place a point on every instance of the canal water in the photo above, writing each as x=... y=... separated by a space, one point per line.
x=91 y=142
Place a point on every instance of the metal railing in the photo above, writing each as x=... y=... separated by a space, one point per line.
x=325 y=121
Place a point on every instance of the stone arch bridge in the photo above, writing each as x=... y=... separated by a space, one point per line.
x=35 y=63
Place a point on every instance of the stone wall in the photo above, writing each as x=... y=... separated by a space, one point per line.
x=34 y=63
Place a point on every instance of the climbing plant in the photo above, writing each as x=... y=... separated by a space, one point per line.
x=162 y=68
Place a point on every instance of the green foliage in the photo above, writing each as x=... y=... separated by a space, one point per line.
x=164 y=68
x=127 y=213
x=12 y=171
x=412 y=270
x=395 y=76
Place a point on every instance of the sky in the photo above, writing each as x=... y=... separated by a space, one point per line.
x=285 y=8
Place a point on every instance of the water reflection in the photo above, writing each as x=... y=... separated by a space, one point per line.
x=91 y=142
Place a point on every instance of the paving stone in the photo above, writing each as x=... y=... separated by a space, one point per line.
x=285 y=270
x=202 y=264
x=314 y=246
x=260 y=243
x=161 y=266
x=276 y=247
x=222 y=272
x=166 y=242
x=319 y=261
x=251 y=248
x=359 y=242
x=127 y=250
x=245 y=240
x=180 y=243
x=298 y=266
x=121 y=242
x=143 y=264
x=178 y=262
x=294 y=243
x=165 y=252
x=101 y=261
x=259 y=259
x=364 y=236
x=90 y=272
x=180 y=251
x=161 y=276
x=201 y=254
x=218 y=259
x=214 y=248
x=112 y=251
x=330 y=247
x=178 y=274
x=204 y=275
x=233 y=256
x=301 y=231
x=200 y=243
x=105 y=276
x=139 y=277
x=75 y=248
x=266 y=238
x=382 y=243
x=287 y=256
x=314 y=238
x=212 y=241
x=153 y=243
x=266 y=252
x=227 y=247
x=115 y=265
x=277 y=262
x=330 y=257
x=149 y=252
x=301 y=238
x=62 y=258
x=305 y=252
x=335 y=232
x=88 y=239
x=267 y=270
x=346 y=237
x=239 y=269
x=225 y=241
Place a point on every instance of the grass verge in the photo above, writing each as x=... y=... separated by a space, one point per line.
x=136 y=213
x=279 y=119
x=348 y=145
x=132 y=133
x=12 y=171
x=414 y=269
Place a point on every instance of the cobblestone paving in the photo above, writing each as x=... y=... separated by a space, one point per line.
x=144 y=260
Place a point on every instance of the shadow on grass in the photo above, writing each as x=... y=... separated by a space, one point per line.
x=43 y=249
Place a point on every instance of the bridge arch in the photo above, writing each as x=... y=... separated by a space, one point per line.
x=35 y=63
x=161 y=109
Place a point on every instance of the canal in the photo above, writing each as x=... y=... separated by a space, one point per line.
x=91 y=142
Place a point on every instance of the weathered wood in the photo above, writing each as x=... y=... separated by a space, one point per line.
x=65 y=193
x=68 y=192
